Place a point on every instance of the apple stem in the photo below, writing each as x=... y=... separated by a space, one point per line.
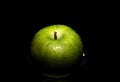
x=55 y=35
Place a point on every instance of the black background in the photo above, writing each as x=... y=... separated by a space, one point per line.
x=90 y=23
x=85 y=25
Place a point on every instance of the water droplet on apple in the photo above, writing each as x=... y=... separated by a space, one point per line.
x=83 y=54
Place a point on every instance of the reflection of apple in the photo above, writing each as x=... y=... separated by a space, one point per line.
x=57 y=47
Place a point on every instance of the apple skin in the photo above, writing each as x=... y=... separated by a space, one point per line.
x=57 y=51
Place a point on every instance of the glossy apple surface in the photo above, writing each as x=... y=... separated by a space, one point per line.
x=57 y=47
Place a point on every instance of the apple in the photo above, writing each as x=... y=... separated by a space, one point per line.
x=57 y=48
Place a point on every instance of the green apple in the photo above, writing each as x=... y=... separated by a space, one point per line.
x=57 y=47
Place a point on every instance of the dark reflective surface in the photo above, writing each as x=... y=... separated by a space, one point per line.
x=80 y=73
